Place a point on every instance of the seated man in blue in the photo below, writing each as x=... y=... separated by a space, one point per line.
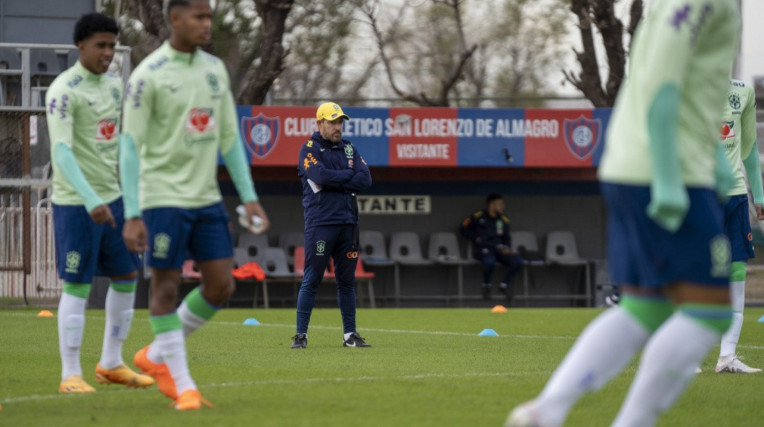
x=488 y=229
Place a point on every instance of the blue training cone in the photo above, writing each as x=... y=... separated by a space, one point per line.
x=761 y=319
x=251 y=321
x=488 y=333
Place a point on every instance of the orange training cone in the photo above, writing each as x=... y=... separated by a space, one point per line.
x=45 y=313
x=499 y=309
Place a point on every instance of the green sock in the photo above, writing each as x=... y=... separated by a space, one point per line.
x=165 y=323
x=79 y=290
x=717 y=317
x=651 y=312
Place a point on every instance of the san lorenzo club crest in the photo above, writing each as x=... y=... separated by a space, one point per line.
x=261 y=133
x=582 y=136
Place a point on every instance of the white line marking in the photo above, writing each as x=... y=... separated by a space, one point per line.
x=39 y=397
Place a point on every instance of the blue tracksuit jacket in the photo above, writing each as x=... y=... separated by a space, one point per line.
x=339 y=172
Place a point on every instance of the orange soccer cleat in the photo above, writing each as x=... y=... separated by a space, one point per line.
x=122 y=375
x=190 y=400
x=75 y=384
x=159 y=371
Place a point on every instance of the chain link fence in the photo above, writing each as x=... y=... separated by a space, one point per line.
x=27 y=258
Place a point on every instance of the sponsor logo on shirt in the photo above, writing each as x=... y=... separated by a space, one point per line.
x=728 y=130
x=158 y=64
x=309 y=160
x=75 y=81
x=136 y=97
x=200 y=120
x=61 y=108
x=106 y=129
x=682 y=17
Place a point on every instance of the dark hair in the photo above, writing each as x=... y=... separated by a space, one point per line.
x=491 y=197
x=94 y=23
x=172 y=4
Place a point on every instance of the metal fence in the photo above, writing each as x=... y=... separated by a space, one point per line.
x=27 y=258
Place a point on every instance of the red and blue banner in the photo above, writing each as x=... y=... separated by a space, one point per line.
x=435 y=137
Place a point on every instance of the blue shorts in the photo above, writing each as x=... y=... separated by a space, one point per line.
x=737 y=227
x=177 y=234
x=85 y=249
x=337 y=242
x=642 y=253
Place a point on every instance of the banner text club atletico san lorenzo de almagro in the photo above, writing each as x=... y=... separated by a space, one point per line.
x=442 y=137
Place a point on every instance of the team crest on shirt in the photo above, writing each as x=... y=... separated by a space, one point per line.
x=212 y=81
x=734 y=100
x=261 y=133
x=200 y=120
x=582 y=136
x=106 y=129
x=116 y=97
x=727 y=130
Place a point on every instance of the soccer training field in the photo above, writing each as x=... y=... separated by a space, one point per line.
x=427 y=367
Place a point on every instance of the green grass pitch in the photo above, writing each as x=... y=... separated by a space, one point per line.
x=427 y=367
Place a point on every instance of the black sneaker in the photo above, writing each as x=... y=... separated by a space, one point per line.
x=507 y=291
x=486 y=292
x=355 y=340
x=300 y=341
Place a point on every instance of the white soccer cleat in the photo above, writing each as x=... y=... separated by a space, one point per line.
x=732 y=364
x=698 y=370
x=527 y=415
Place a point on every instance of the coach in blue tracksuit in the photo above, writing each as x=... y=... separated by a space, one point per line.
x=488 y=229
x=332 y=171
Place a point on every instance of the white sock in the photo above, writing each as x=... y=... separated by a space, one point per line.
x=172 y=347
x=191 y=321
x=153 y=353
x=119 y=316
x=731 y=338
x=347 y=335
x=71 y=324
x=602 y=350
x=668 y=365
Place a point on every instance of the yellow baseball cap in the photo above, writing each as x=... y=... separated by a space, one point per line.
x=330 y=111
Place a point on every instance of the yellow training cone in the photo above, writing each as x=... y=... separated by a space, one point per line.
x=499 y=309
x=45 y=313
